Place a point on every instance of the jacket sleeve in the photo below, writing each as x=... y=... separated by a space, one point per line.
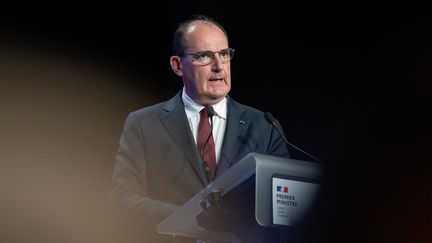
x=129 y=182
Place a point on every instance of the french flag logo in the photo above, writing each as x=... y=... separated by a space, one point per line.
x=282 y=189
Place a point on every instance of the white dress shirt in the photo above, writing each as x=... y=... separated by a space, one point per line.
x=219 y=119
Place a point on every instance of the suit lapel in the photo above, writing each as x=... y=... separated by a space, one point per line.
x=235 y=131
x=176 y=124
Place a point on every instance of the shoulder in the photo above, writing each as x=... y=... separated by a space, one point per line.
x=143 y=111
x=243 y=109
x=157 y=109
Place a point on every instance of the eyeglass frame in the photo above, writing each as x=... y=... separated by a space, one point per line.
x=195 y=55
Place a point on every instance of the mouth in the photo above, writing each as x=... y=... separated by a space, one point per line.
x=216 y=79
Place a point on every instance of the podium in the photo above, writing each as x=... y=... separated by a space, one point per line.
x=259 y=189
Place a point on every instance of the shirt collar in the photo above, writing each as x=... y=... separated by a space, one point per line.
x=192 y=108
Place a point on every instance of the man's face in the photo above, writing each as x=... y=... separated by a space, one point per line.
x=206 y=84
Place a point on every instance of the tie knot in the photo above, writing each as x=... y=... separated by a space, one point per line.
x=204 y=112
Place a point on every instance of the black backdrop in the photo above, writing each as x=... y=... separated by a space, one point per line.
x=349 y=84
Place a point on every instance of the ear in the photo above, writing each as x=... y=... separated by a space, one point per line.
x=176 y=65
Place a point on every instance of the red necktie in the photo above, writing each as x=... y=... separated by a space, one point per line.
x=206 y=144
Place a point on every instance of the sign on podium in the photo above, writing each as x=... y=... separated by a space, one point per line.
x=259 y=189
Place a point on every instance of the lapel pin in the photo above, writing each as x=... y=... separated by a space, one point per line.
x=242 y=122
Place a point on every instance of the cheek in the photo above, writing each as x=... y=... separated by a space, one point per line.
x=201 y=78
x=228 y=78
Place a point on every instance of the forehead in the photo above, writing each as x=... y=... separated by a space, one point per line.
x=205 y=36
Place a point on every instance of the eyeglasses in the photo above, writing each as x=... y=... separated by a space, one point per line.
x=207 y=57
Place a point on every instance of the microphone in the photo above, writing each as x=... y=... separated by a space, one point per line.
x=271 y=120
x=210 y=114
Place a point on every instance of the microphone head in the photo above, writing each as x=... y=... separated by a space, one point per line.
x=269 y=117
x=210 y=111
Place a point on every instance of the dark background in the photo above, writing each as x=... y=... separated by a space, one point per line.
x=350 y=84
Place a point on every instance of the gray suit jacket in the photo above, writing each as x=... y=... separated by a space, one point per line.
x=158 y=166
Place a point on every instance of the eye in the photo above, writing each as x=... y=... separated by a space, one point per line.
x=224 y=54
x=204 y=56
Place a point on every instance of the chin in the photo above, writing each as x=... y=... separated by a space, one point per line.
x=218 y=95
x=220 y=92
x=213 y=99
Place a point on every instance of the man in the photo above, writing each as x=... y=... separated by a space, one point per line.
x=160 y=163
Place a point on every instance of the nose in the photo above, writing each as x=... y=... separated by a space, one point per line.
x=217 y=63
